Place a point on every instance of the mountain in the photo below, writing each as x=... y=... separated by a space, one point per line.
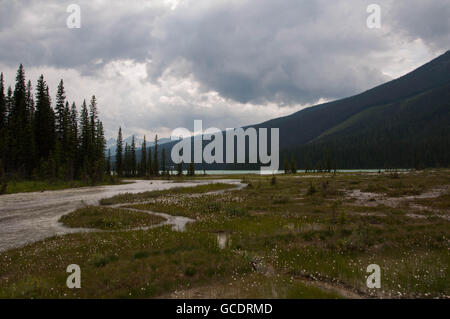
x=402 y=123
x=309 y=124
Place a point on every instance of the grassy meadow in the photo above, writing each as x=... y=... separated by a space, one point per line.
x=289 y=236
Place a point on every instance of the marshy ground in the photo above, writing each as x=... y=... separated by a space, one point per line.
x=292 y=236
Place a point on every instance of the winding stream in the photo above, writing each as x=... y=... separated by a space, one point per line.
x=29 y=217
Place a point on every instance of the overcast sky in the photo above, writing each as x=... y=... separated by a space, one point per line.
x=157 y=65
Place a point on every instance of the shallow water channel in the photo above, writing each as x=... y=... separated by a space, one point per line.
x=29 y=217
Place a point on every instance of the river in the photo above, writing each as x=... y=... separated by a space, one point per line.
x=29 y=217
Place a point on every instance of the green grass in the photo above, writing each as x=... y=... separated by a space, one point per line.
x=109 y=219
x=118 y=265
x=279 y=235
x=128 y=197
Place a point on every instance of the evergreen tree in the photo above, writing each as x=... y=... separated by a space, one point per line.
x=127 y=160
x=85 y=132
x=93 y=117
x=3 y=125
x=9 y=105
x=155 y=158
x=60 y=111
x=119 y=153
x=31 y=158
x=133 y=157
x=30 y=101
x=33 y=138
x=143 y=166
x=85 y=141
x=44 y=127
x=73 y=155
x=3 y=112
x=18 y=150
x=99 y=160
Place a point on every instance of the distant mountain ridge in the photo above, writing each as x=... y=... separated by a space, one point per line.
x=402 y=123
x=309 y=124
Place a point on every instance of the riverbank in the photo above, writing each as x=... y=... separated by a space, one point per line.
x=296 y=236
x=29 y=186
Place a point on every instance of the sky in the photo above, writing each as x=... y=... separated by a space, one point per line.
x=158 y=65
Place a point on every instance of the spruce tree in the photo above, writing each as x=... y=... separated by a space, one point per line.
x=60 y=112
x=18 y=126
x=133 y=157
x=33 y=136
x=143 y=166
x=44 y=124
x=9 y=105
x=30 y=101
x=100 y=145
x=3 y=112
x=8 y=138
x=180 y=169
x=93 y=117
x=73 y=148
x=119 y=153
x=3 y=124
x=85 y=132
x=127 y=161
x=155 y=158
x=85 y=141
x=30 y=109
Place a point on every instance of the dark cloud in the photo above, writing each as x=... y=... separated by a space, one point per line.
x=426 y=20
x=267 y=53
x=35 y=33
x=287 y=52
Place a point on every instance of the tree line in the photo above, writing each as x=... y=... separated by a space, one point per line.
x=153 y=162
x=42 y=141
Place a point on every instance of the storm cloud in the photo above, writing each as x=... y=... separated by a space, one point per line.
x=157 y=65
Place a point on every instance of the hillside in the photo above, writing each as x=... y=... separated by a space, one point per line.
x=311 y=123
